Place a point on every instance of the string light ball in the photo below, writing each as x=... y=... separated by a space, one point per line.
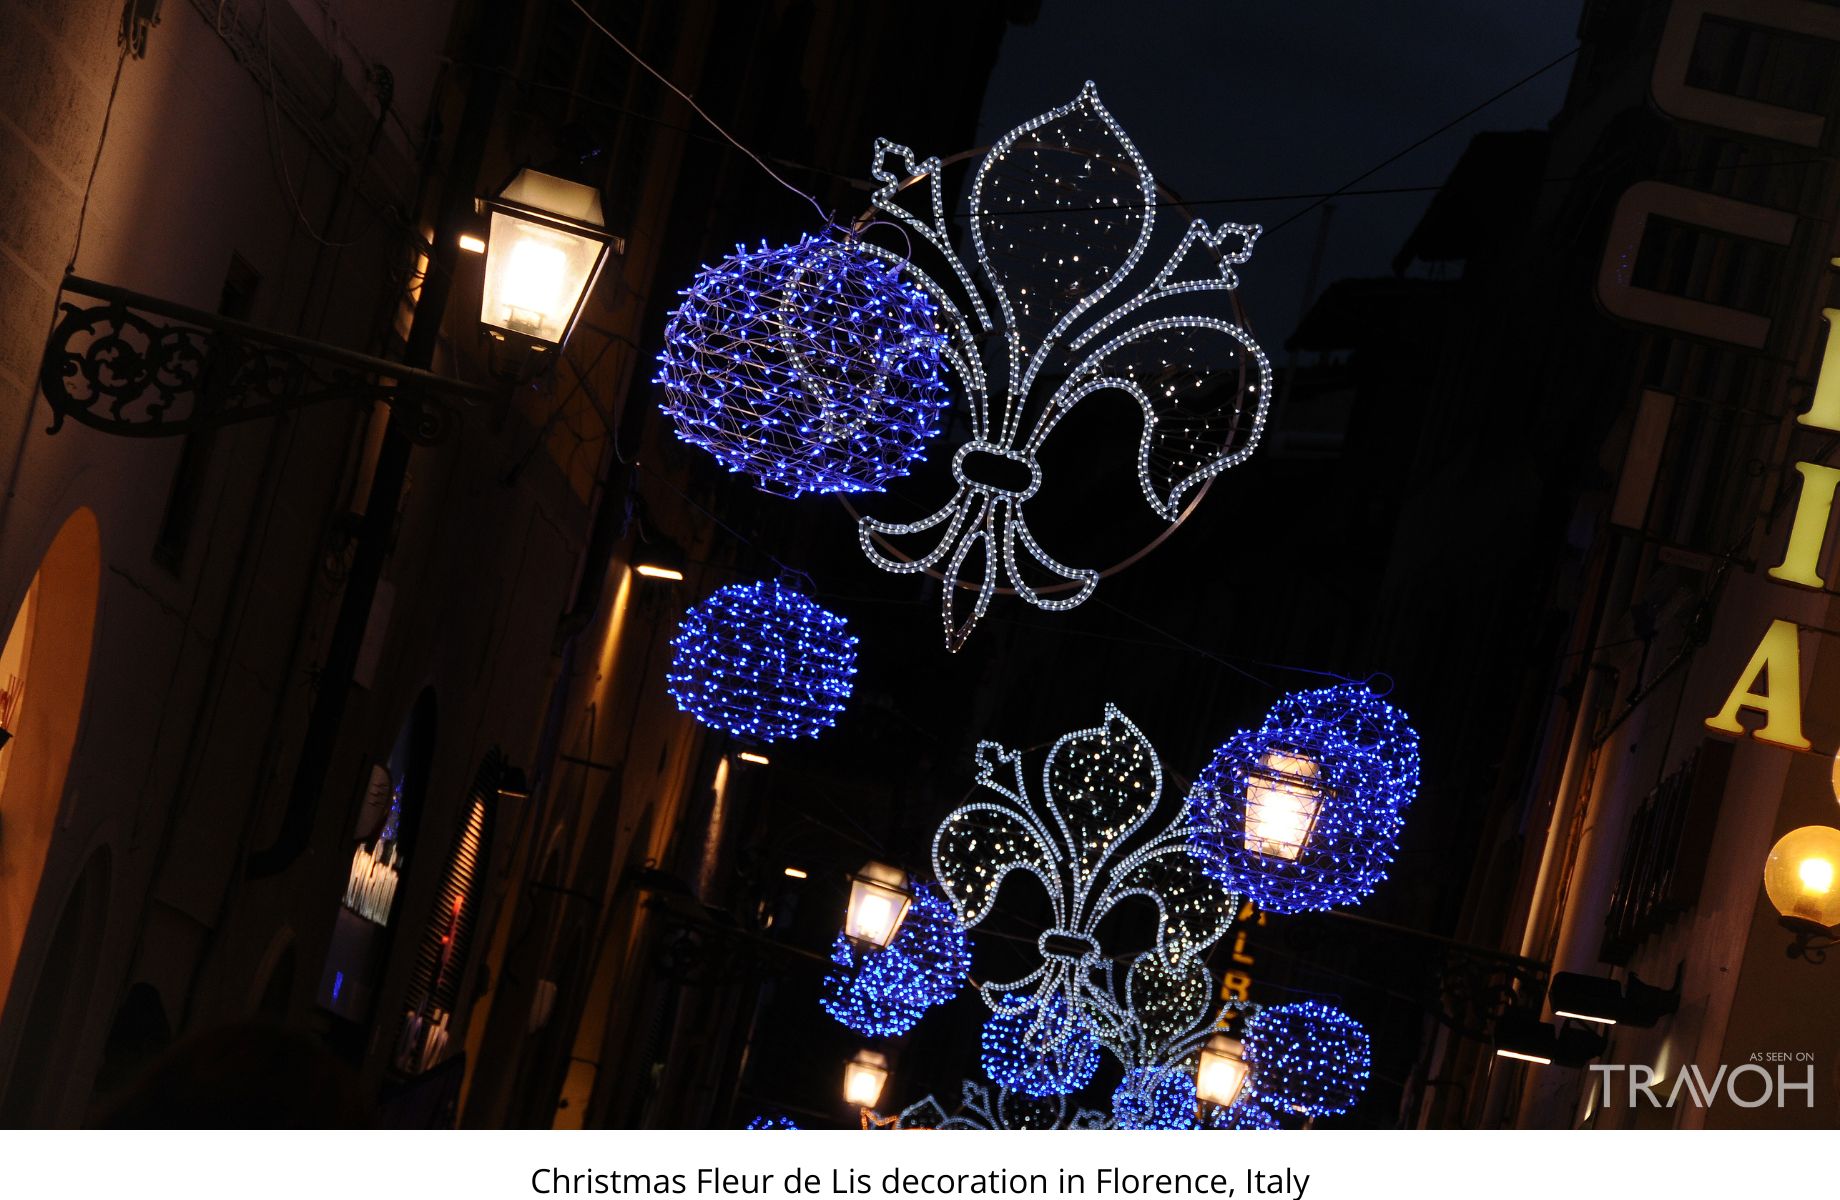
x=1366 y=719
x=762 y=661
x=883 y=993
x=1308 y=1058
x=813 y=367
x=1304 y=813
x=1156 y=1097
x=1244 y=1113
x=1042 y=1049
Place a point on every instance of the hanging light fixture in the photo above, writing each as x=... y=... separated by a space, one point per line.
x=863 y=1079
x=879 y=896
x=1222 y=1071
x=546 y=247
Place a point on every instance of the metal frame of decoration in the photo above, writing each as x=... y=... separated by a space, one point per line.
x=812 y=367
x=761 y=660
x=1183 y=444
x=1100 y=787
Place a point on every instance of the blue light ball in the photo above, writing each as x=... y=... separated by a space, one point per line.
x=1155 y=1098
x=1364 y=719
x=883 y=993
x=762 y=661
x=812 y=368
x=1359 y=768
x=1308 y=1058
x=1244 y=1113
x=1044 y=1049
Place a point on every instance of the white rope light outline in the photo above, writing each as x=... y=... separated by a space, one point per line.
x=987 y=513
x=1099 y=788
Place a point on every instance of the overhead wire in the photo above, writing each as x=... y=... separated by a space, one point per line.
x=698 y=109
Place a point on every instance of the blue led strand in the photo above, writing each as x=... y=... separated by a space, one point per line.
x=765 y=1122
x=1363 y=772
x=1308 y=1058
x=762 y=661
x=1244 y=1113
x=1046 y=1048
x=1161 y=1097
x=1363 y=718
x=882 y=993
x=812 y=368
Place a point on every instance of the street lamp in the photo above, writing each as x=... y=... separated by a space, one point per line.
x=1222 y=1071
x=879 y=896
x=660 y=559
x=1282 y=802
x=1802 y=879
x=545 y=248
x=863 y=1079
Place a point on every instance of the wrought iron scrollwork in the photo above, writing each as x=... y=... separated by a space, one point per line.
x=137 y=366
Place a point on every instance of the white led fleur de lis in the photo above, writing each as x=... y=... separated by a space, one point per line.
x=1062 y=211
x=1085 y=840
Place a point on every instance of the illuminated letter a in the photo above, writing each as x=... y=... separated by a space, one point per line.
x=1779 y=653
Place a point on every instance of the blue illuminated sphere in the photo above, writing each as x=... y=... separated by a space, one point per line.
x=1155 y=1098
x=1307 y=1058
x=762 y=661
x=812 y=368
x=1244 y=1113
x=1361 y=716
x=1305 y=812
x=1045 y=1049
x=882 y=993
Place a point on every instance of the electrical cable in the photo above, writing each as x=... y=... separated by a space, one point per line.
x=95 y=163
x=698 y=110
x=1446 y=126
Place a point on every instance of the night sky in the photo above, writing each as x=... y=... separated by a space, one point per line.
x=1274 y=97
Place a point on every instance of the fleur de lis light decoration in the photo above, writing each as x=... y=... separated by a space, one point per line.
x=1085 y=839
x=1062 y=212
x=984 y=1107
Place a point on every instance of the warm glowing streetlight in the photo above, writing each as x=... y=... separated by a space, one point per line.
x=879 y=897
x=1282 y=800
x=863 y=1079
x=546 y=247
x=1222 y=1072
x=1802 y=879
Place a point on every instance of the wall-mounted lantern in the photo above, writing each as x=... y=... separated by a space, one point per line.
x=863 y=1079
x=545 y=247
x=1222 y=1071
x=1283 y=799
x=1802 y=879
x=879 y=896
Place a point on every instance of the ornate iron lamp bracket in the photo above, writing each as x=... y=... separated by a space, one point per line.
x=139 y=366
x=1812 y=939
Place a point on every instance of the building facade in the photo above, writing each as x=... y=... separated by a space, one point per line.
x=1686 y=192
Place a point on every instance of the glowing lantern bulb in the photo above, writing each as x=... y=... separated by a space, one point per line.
x=1801 y=873
x=1282 y=801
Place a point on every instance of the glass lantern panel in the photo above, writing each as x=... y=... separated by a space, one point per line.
x=535 y=277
